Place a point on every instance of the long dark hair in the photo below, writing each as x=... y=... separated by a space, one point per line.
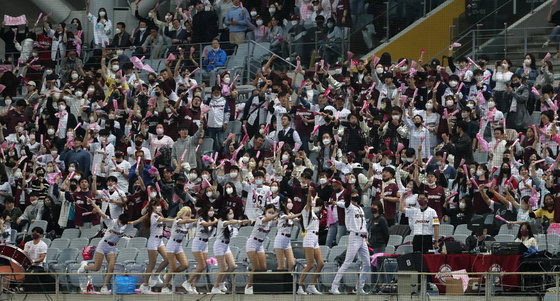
x=526 y=224
x=223 y=215
x=56 y=34
x=99 y=17
x=283 y=206
x=205 y=217
x=149 y=211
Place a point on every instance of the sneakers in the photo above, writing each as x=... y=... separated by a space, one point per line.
x=300 y=291
x=217 y=291
x=188 y=287
x=145 y=289
x=334 y=291
x=82 y=268
x=104 y=291
x=313 y=290
x=248 y=290
x=223 y=287
x=194 y=291
x=165 y=290
x=155 y=281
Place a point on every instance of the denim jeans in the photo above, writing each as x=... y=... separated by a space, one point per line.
x=336 y=231
x=555 y=35
x=218 y=135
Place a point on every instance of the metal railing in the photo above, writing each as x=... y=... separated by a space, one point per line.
x=489 y=285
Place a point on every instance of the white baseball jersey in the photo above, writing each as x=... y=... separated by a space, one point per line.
x=179 y=231
x=204 y=232
x=156 y=226
x=422 y=221
x=261 y=229
x=354 y=218
x=114 y=231
x=285 y=225
x=310 y=223
x=257 y=197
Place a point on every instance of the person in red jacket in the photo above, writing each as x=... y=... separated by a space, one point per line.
x=387 y=192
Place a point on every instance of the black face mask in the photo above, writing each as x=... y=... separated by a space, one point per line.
x=506 y=170
x=179 y=92
x=158 y=94
x=356 y=199
x=418 y=124
x=151 y=80
x=138 y=143
x=327 y=119
x=515 y=85
x=40 y=175
x=73 y=187
x=119 y=156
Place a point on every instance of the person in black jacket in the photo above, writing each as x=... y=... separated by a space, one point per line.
x=121 y=38
x=204 y=24
x=378 y=229
x=461 y=143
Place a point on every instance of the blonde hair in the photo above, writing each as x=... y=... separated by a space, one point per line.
x=184 y=211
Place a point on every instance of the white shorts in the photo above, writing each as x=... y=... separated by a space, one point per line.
x=254 y=245
x=174 y=247
x=154 y=243
x=198 y=245
x=104 y=248
x=221 y=249
x=311 y=240
x=282 y=242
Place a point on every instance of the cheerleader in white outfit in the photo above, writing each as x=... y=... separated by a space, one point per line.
x=226 y=262
x=205 y=228
x=282 y=241
x=174 y=248
x=155 y=244
x=254 y=245
x=106 y=247
x=311 y=245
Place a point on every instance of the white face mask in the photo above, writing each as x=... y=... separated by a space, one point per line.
x=149 y=15
x=69 y=134
x=272 y=10
x=245 y=160
x=379 y=70
x=453 y=84
x=285 y=157
x=54 y=153
x=470 y=105
x=34 y=54
x=388 y=161
x=323 y=181
x=274 y=189
x=259 y=22
x=491 y=105
x=326 y=141
x=505 y=66
x=294 y=22
x=211 y=214
x=227 y=80
x=233 y=175
x=209 y=193
x=464 y=115
x=61 y=107
x=8 y=101
x=115 y=68
x=102 y=14
x=79 y=93
x=253 y=13
x=403 y=68
x=290 y=206
x=205 y=177
x=71 y=169
x=91 y=90
x=142 y=29
x=352 y=181
x=50 y=131
x=258 y=181
x=74 y=75
x=261 y=131
x=462 y=205
x=429 y=106
x=34 y=203
x=192 y=176
x=117 y=31
x=101 y=139
x=229 y=190
x=527 y=62
x=479 y=173
x=396 y=117
x=449 y=102
x=153 y=195
x=48 y=72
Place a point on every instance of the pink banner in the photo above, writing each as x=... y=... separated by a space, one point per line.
x=13 y=21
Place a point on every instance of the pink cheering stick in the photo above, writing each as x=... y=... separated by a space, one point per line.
x=401 y=88
x=258 y=154
x=547 y=56
x=539 y=161
x=196 y=149
x=138 y=162
x=230 y=136
x=444 y=156
x=295 y=147
x=219 y=80
x=453 y=194
x=337 y=117
x=245 y=130
x=473 y=62
x=38 y=18
x=322 y=64
x=501 y=218
x=429 y=159
x=216 y=157
x=460 y=86
x=536 y=92
x=466 y=170
x=280 y=144
x=95 y=169
x=42 y=139
x=421 y=54
x=302 y=83
x=86 y=213
x=371 y=88
x=514 y=143
x=415 y=94
x=274 y=147
x=328 y=67
x=328 y=91
x=315 y=129
x=401 y=63
x=234 y=80
x=551 y=167
x=72 y=175
x=475 y=183
x=350 y=54
x=197 y=68
x=298 y=64
x=456 y=45
x=149 y=191
x=375 y=60
x=77 y=126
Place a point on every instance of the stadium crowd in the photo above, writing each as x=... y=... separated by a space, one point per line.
x=353 y=146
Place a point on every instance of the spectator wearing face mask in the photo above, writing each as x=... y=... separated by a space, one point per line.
x=205 y=22
x=69 y=64
x=260 y=31
x=235 y=20
x=517 y=94
x=32 y=212
x=213 y=59
x=102 y=26
x=121 y=39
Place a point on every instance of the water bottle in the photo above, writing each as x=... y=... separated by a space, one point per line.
x=89 y=287
x=443 y=249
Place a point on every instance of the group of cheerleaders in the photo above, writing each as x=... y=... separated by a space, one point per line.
x=207 y=225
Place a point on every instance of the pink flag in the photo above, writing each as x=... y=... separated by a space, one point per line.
x=171 y=57
x=14 y=21
x=483 y=143
x=536 y=92
x=547 y=56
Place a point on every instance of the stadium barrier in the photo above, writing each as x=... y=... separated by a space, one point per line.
x=491 y=285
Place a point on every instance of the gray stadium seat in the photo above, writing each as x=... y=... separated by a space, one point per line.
x=71 y=233
x=95 y=241
x=349 y=280
x=336 y=251
x=460 y=237
x=343 y=241
x=52 y=253
x=65 y=257
x=207 y=146
x=138 y=243
x=509 y=229
x=325 y=251
x=408 y=238
x=123 y=243
x=462 y=229
x=60 y=243
x=390 y=249
x=395 y=240
x=38 y=223
x=504 y=238
x=79 y=243
x=47 y=241
x=235 y=128
x=89 y=233
x=446 y=230
x=326 y=278
x=127 y=255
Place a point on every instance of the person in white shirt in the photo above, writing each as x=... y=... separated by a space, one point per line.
x=36 y=249
x=107 y=246
x=111 y=198
x=226 y=261
x=311 y=248
x=119 y=169
x=282 y=241
x=179 y=230
x=424 y=222
x=355 y=221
